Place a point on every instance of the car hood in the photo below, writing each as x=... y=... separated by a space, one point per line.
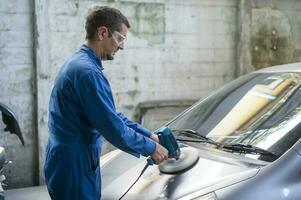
x=212 y=171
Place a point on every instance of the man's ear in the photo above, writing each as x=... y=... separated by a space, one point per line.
x=102 y=31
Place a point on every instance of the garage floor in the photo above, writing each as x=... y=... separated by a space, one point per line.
x=38 y=192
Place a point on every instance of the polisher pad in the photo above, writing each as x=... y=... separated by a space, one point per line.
x=189 y=156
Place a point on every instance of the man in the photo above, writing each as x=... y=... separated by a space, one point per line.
x=82 y=111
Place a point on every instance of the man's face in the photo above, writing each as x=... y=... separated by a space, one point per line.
x=114 y=43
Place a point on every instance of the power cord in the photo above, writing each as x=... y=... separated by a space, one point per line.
x=143 y=170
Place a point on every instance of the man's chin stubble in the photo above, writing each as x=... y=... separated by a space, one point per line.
x=109 y=57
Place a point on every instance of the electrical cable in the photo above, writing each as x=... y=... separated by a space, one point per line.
x=143 y=170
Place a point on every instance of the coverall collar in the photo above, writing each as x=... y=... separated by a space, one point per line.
x=92 y=55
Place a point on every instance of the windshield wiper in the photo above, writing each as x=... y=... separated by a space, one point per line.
x=247 y=148
x=236 y=147
x=193 y=134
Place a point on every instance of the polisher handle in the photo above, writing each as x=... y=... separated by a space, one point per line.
x=150 y=161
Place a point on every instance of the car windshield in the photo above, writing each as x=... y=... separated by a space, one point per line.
x=259 y=109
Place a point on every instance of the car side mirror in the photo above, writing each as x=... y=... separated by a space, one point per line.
x=10 y=120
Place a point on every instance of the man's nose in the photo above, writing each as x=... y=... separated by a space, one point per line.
x=121 y=46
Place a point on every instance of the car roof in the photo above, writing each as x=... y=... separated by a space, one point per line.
x=292 y=67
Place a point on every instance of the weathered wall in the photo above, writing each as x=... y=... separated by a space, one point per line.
x=172 y=44
x=276 y=32
x=17 y=86
x=175 y=50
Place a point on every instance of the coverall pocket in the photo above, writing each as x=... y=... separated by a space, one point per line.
x=91 y=182
x=92 y=160
x=59 y=172
x=91 y=185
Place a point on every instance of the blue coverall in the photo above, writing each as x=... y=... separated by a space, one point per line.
x=81 y=112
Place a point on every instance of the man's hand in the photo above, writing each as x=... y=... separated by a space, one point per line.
x=155 y=137
x=160 y=154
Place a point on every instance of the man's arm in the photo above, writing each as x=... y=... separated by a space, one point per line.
x=138 y=128
x=155 y=137
x=134 y=125
x=95 y=97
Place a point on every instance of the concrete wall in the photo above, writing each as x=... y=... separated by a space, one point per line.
x=275 y=32
x=175 y=50
x=17 y=85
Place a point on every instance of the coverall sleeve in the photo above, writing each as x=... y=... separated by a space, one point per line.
x=137 y=127
x=97 y=101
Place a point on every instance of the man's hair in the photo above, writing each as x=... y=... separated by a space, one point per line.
x=104 y=16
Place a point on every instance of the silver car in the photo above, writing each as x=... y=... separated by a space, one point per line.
x=247 y=135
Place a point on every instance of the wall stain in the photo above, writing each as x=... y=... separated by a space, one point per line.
x=135 y=68
x=149 y=22
x=128 y=107
x=133 y=93
x=147 y=19
x=272 y=42
x=43 y=76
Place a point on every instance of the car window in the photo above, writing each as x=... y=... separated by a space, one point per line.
x=261 y=109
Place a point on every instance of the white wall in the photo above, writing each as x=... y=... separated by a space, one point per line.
x=17 y=88
x=175 y=50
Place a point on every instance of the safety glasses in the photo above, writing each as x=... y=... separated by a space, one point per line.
x=118 y=37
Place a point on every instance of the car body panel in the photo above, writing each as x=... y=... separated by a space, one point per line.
x=262 y=108
x=278 y=181
x=297 y=147
x=228 y=175
x=10 y=120
x=292 y=67
x=207 y=174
